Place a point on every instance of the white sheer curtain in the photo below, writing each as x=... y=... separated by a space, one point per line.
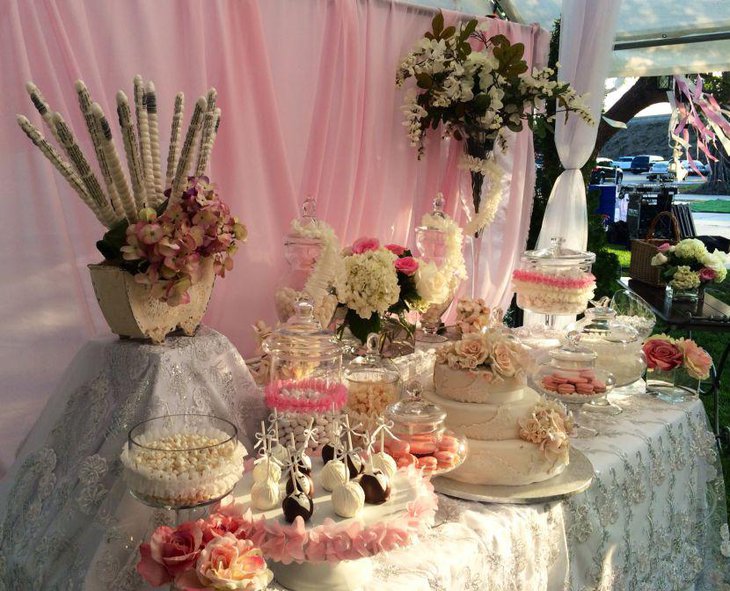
x=587 y=31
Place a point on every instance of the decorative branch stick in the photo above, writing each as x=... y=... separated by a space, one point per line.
x=186 y=153
x=141 y=114
x=174 y=135
x=154 y=131
x=146 y=154
x=68 y=141
x=115 y=166
x=40 y=103
x=208 y=126
x=130 y=148
x=59 y=163
x=96 y=140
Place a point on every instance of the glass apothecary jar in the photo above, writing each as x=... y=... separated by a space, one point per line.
x=572 y=377
x=304 y=245
x=617 y=345
x=556 y=281
x=633 y=310
x=420 y=434
x=373 y=383
x=305 y=387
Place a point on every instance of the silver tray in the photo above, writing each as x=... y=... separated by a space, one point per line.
x=576 y=478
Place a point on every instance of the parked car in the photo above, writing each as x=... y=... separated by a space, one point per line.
x=643 y=163
x=701 y=166
x=623 y=162
x=662 y=172
x=605 y=172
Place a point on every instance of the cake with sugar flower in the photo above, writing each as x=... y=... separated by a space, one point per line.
x=515 y=436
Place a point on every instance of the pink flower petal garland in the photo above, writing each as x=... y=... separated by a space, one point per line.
x=305 y=396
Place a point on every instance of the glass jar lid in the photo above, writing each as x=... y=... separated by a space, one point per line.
x=303 y=336
x=557 y=255
x=306 y=229
x=571 y=355
x=414 y=414
x=602 y=322
x=372 y=367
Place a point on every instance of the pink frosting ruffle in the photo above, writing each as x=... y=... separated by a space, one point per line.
x=581 y=282
x=321 y=396
x=348 y=540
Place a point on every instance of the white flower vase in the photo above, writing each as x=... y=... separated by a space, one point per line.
x=131 y=311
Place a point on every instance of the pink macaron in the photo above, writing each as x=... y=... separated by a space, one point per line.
x=445 y=458
x=449 y=443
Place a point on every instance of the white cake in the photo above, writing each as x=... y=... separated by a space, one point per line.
x=515 y=436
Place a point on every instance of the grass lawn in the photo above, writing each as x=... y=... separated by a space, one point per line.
x=714 y=343
x=711 y=206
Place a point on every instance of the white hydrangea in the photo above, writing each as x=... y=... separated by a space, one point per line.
x=368 y=282
x=691 y=248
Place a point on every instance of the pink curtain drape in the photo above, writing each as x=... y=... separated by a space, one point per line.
x=309 y=107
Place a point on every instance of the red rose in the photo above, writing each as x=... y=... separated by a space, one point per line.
x=396 y=249
x=407 y=265
x=170 y=553
x=662 y=354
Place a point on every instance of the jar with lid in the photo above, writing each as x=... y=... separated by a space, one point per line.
x=420 y=436
x=617 y=345
x=305 y=387
x=308 y=249
x=572 y=377
x=373 y=383
x=556 y=281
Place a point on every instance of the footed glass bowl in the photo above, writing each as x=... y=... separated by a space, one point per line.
x=182 y=461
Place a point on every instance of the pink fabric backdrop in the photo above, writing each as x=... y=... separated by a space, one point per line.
x=309 y=107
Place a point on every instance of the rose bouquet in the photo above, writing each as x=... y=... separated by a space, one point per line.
x=477 y=88
x=211 y=554
x=491 y=353
x=373 y=281
x=474 y=316
x=165 y=248
x=689 y=264
x=664 y=353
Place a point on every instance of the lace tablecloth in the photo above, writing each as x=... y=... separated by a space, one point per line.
x=652 y=520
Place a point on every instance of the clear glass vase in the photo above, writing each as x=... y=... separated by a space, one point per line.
x=672 y=386
x=691 y=294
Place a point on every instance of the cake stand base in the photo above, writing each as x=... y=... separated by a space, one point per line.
x=307 y=576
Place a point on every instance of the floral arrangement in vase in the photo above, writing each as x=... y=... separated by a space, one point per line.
x=373 y=281
x=477 y=89
x=492 y=354
x=162 y=229
x=663 y=353
x=210 y=554
x=688 y=265
x=474 y=316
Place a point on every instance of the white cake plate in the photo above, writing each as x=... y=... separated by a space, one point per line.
x=576 y=478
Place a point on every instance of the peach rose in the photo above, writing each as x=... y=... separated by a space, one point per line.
x=661 y=353
x=503 y=360
x=229 y=563
x=697 y=361
x=473 y=351
x=362 y=245
x=170 y=553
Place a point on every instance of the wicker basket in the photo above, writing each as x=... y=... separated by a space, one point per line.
x=642 y=251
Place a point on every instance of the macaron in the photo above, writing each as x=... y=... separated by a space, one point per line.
x=566 y=389
x=445 y=459
x=427 y=463
x=398 y=447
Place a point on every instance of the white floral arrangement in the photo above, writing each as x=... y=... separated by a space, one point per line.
x=492 y=354
x=367 y=282
x=689 y=264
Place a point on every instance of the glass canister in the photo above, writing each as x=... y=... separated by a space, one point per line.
x=420 y=435
x=556 y=281
x=373 y=383
x=617 y=345
x=571 y=375
x=633 y=310
x=304 y=246
x=305 y=386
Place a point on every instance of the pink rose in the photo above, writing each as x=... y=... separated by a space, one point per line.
x=661 y=353
x=362 y=245
x=170 y=552
x=664 y=247
x=503 y=360
x=396 y=249
x=696 y=360
x=406 y=265
x=707 y=274
x=230 y=563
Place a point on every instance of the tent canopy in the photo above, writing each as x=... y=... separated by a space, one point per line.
x=653 y=38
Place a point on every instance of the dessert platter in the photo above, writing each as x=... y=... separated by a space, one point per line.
x=319 y=518
x=518 y=439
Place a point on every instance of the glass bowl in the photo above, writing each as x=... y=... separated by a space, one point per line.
x=182 y=461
